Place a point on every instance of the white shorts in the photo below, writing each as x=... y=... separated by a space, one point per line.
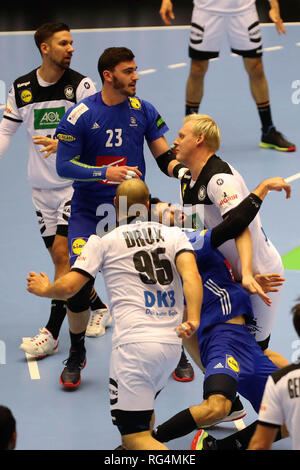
x=208 y=32
x=138 y=371
x=53 y=209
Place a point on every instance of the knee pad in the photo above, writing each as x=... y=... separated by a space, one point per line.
x=81 y=301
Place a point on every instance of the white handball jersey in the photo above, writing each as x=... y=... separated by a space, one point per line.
x=218 y=189
x=40 y=106
x=144 y=288
x=224 y=6
x=281 y=402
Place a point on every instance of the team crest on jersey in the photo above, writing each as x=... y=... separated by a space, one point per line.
x=26 y=95
x=78 y=244
x=69 y=92
x=232 y=364
x=202 y=193
x=135 y=103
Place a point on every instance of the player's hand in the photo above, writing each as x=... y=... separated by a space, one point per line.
x=122 y=173
x=166 y=11
x=277 y=20
x=269 y=282
x=253 y=287
x=187 y=329
x=278 y=184
x=37 y=283
x=50 y=145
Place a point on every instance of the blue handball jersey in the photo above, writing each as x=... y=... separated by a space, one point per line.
x=223 y=297
x=92 y=135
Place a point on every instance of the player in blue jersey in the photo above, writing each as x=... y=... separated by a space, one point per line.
x=230 y=357
x=100 y=145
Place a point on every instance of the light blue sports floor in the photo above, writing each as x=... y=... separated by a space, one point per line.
x=49 y=417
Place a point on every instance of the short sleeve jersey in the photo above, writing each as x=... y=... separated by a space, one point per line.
x=223 y=298
x=40 y=107
x=218 y=189
x=144 y=288
x=93 y=134
x=281 y=402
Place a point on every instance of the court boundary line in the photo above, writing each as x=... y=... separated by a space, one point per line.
x=132 y=28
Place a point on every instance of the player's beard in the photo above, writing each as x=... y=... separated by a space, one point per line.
x=123 y=89
x=62 y=64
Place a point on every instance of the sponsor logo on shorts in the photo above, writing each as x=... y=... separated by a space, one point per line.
x=48 y=118
x=231 y=363
x=78 y=244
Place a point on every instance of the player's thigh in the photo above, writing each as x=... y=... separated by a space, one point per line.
x=244 y=34
x=207 y=32
x=138 y=372
x=45 y=209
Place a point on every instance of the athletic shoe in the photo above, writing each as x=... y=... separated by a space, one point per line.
x=184 y=372
x=70 y=376
x=203 y=441
x=237 y=412
x=42 y=345
x=101 y=319
x=275 y=140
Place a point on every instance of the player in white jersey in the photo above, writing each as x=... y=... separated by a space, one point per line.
x=147 y=268
x=280 y=403
x=211 y=188
x=39 y=99
x=238 y=19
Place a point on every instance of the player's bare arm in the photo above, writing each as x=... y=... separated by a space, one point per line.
x=63 y=288
x=274 y=14
x=166 y=11
x=193 y=293
x=272 y=184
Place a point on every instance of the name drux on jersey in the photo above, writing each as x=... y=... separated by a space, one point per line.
x=142 y=237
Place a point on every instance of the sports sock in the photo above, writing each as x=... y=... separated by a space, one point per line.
x=95 y=301
x=177 y=426
x=264 y=111
x=241 y=439
x=77 y=341
x=191 y=108
x=57 y=316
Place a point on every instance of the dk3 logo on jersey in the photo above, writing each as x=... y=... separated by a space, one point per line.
x=232 y=364
x=78 y=244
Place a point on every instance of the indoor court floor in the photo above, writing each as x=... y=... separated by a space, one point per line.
x=48 y=417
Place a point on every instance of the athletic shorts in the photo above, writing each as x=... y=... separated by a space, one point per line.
x=208 y=32
x=88 y=217
x=230 y=349
x=138 y=372
x=53 y=207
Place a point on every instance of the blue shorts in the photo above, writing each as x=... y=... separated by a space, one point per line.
x=230 y=349
x=88 y=217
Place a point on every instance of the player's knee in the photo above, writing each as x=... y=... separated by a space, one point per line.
x=219 y=407
x=198 y=68
x=255 y=68
x=81 y=301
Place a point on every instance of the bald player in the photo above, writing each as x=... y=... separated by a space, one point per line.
x=147 y=269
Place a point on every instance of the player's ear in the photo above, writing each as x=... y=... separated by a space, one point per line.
x=107 y=75
x=200 y=139
x=115 y=201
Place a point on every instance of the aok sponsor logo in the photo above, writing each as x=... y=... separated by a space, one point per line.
x=48 y=118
